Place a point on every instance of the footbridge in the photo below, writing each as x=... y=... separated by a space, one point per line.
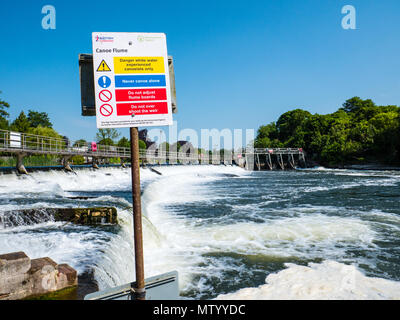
x=21 y=145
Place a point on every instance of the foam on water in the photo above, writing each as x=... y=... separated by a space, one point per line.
x=328 y=280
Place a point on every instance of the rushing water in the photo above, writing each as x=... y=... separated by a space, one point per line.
x=315 y=233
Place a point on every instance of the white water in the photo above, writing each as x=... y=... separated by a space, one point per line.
x=329 y=280
x=173 y=241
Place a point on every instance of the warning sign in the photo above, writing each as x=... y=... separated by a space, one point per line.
x=124 y=109
x=106 y=110
x=136 y=91
x=105 y=95
x=103 y=67
x=139 y=65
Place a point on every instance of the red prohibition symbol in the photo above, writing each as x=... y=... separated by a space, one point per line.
x=105 y=95
x=106 y=110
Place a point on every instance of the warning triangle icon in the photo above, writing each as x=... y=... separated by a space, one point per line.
x=103 y=66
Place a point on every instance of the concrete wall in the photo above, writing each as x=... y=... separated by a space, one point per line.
x=21 y=277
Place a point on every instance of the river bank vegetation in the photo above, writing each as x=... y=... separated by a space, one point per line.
x=360 y=132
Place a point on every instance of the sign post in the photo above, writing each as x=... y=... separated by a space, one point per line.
x=132 y=89
x=137 y=215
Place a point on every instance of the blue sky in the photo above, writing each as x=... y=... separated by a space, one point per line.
x=238 y=64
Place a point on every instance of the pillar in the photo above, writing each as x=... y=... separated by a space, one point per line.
x=65 y=163
x=20 y=163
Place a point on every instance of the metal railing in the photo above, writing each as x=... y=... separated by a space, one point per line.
x=19 y=142
x=278 y=150
x=15 y=142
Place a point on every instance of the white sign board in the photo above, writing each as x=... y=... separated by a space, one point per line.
x=132 y=85
x=15 y=139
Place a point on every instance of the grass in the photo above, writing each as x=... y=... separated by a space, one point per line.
x=31 y=161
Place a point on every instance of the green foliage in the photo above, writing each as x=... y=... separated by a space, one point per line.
x=106 y=142
x=290 y=127
x=21 y=123
x=359 y=130
x=31 y=161
x=41 y=160
x=268 y=136
x=37 y=119
x=4 y=125
x=3 y=113
x=142 y=145
x=78 y=160
x=124 y=143
x=107 y=136
x=80 y=143
x=114 y=160
x=44 y=131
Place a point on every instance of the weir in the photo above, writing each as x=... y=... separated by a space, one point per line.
x=273 y=159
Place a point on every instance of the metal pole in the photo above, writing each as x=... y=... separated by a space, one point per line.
x=140 y=292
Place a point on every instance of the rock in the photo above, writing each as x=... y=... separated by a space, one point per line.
x=21 y=277
x=14 y=263
x=14 y=279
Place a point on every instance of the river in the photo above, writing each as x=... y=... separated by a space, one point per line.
x=316 y=233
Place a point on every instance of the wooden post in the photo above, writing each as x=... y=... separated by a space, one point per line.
x=140 y=292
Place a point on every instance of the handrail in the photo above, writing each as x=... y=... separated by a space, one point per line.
x=19 y=142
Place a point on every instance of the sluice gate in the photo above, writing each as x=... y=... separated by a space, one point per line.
x=275 y=159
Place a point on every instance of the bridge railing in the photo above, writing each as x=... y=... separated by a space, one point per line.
x=18 y=140
x=13 y=141
x=30 y=143
x=170 y=156
x=278 y=150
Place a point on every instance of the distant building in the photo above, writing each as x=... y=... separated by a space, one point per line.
x=143 y=137
x=183 y=146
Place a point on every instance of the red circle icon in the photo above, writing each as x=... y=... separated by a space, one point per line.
x=106 y=110
x=105 y=95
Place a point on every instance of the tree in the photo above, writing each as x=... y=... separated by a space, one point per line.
x=356 y=103
x=107 y=136
x=358 y=131
x=21 y=123
x=80 y=143
x=44 y=131
x=4 y=114
x=124 y=143
x=39 y=119
x=289 y=125
x=142 y=145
